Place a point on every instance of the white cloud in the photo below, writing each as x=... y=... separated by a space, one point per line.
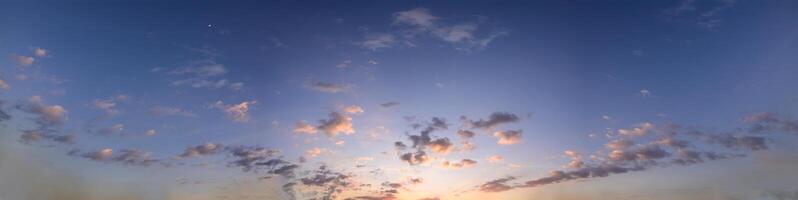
x=377 y=41
x=236 y=112
x=353 y=109
x=47 y=115
x=39 y=52
x=150 y=132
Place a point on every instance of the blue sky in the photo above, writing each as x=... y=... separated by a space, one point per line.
x=189 y=100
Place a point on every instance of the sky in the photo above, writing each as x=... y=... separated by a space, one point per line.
x=380 y=100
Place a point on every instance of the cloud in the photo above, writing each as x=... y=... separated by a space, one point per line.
x=134 y=157
x=203 y=73
x=498 y=185
x=463 y=36
x=645 y=93
x=353 y=109
x=200 y=150
x=23 y=60
x=495 y=119
x=150 y=132
x=508 y=136
x=170 y=111
x=314 y=152
x=377 y=41
x=106 y=105
x=641 y=129
x=327 y=87
x=770 y=122
x=389 y=104
x=39 y=52
x=705 y=15
x=46 y=115
x=112 y=130
x=236 y=112
x=304 y=127
x=414 y=158
x=464 y=163
x=37 y=135
x=99 y=155
x=4 y=85
x=495 y=158
x=619 y=144
x=465 y=134
x=250 y=158
x=337 y=123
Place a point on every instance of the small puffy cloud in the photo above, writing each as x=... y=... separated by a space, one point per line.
x=508 y=136
x=465 y=134
x=641 y=129
x=645 y=93
x=304 y=127
x=495 y=119
x=337 y=123
x=150 y=132
x=23 y=60
x=415 y=158
x=440 y=145
x=327 y=87
x=377 y=41
x=47 y=115
x=464 y=163
x=200 y=150
x=353 y=109
x=236 y=112
x=39 y=52
x=495 y=158
x=314 y=152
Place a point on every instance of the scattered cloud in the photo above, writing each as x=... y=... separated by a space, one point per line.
x=353 y=109
x=304 y=127
x=389 y=104
x=495 y=158
x=641 y=129
x=46 y=115
x=464 y=163
x=495 y=119
x=508 y=137
x=170 y=111
x=327 y=87
x=236 y=112
x=23 y=60
x=378 y=41
x=39 y=52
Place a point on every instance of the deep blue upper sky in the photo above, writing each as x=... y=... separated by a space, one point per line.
x=163 y=77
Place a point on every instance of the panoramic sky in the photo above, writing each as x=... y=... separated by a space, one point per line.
x=544 y=100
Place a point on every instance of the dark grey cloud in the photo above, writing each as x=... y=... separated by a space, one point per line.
x=465 y=134
x=495 y=119
x=498 y=185
x=424 y=141
x=4 y=116
x=201 y=150
x=29 y=136
x=327 y=87
x=389 y=104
